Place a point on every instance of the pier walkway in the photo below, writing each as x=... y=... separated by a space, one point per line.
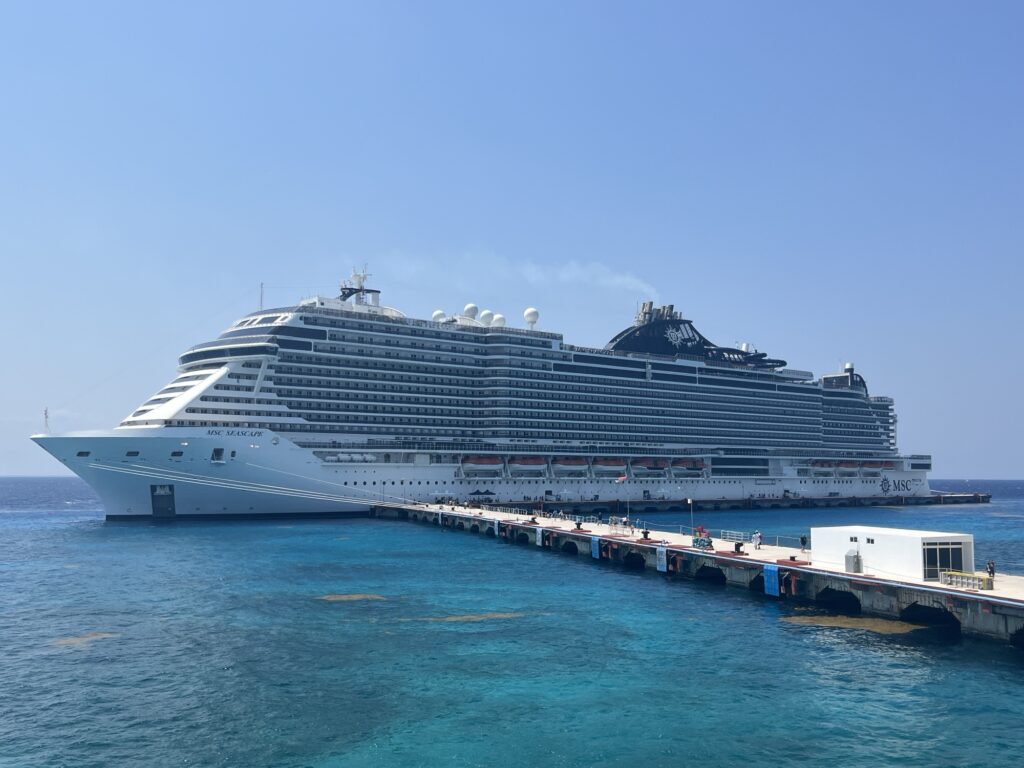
x=774 y=568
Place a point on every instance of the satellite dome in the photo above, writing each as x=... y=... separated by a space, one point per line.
x=470 y=311
x=438 y=315
x=486 y=316
x=531 y=316
x=498 y=321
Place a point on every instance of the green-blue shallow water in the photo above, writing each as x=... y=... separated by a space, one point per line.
x=207 y=645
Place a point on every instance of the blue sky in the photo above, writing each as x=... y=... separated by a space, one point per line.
x=829 y=181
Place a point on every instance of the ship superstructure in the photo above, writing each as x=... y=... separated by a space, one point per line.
x=336 y=403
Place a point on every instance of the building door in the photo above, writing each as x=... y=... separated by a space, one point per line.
x=162 y=497
x=942 y=556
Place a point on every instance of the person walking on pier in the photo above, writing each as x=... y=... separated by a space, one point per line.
x=990 y=566
x=756 y=539
x=803 y=543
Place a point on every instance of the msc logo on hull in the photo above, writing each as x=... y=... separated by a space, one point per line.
x=895 y=486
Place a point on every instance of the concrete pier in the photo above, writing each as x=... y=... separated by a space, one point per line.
x=779 y=571
x=654 y=504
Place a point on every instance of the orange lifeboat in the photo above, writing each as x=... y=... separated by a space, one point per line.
x=686 y=466
x=609 y=466
x=649 y=465
x=482 y=464
x=569 y=464
x=524 y=465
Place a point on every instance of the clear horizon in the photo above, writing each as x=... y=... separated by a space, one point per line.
x=830 y=183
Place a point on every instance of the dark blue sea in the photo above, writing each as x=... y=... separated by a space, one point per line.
x=208 y=644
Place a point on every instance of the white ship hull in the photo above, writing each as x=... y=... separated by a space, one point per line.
x=175 y=473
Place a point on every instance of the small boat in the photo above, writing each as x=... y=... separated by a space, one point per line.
x=609 y=466
x=527 y=465
x=872 y=465
x=569 y=465
x=686 y=467
x=482 y=464
x=649 y=466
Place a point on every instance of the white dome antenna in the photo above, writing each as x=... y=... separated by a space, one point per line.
x=438 y=315
x=498 y=321
x=470 y=311
x=531 y=316
x=486 y=316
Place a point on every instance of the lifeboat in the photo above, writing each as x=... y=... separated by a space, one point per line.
x=569 y=465
x=849 y=464
x=527 y=465
x=649 y=466
x=491 y=465
x=686 y=466
x=872 y=465
x=822 y=468
x=888 y=465
x=609 y=466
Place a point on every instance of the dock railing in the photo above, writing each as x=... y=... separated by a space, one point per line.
x=965 y=580
x=734 y=536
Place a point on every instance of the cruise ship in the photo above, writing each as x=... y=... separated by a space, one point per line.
x=339 y=403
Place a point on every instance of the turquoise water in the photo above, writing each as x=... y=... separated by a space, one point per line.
x=214 y=650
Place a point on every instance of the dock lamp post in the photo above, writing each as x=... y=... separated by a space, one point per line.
x=692 y=529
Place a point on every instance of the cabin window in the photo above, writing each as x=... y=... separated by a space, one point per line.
x=217 y=454
x=176 y=454
x=83 y=454
x=132 y=453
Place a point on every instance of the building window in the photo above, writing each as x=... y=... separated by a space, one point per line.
x=942 y=556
